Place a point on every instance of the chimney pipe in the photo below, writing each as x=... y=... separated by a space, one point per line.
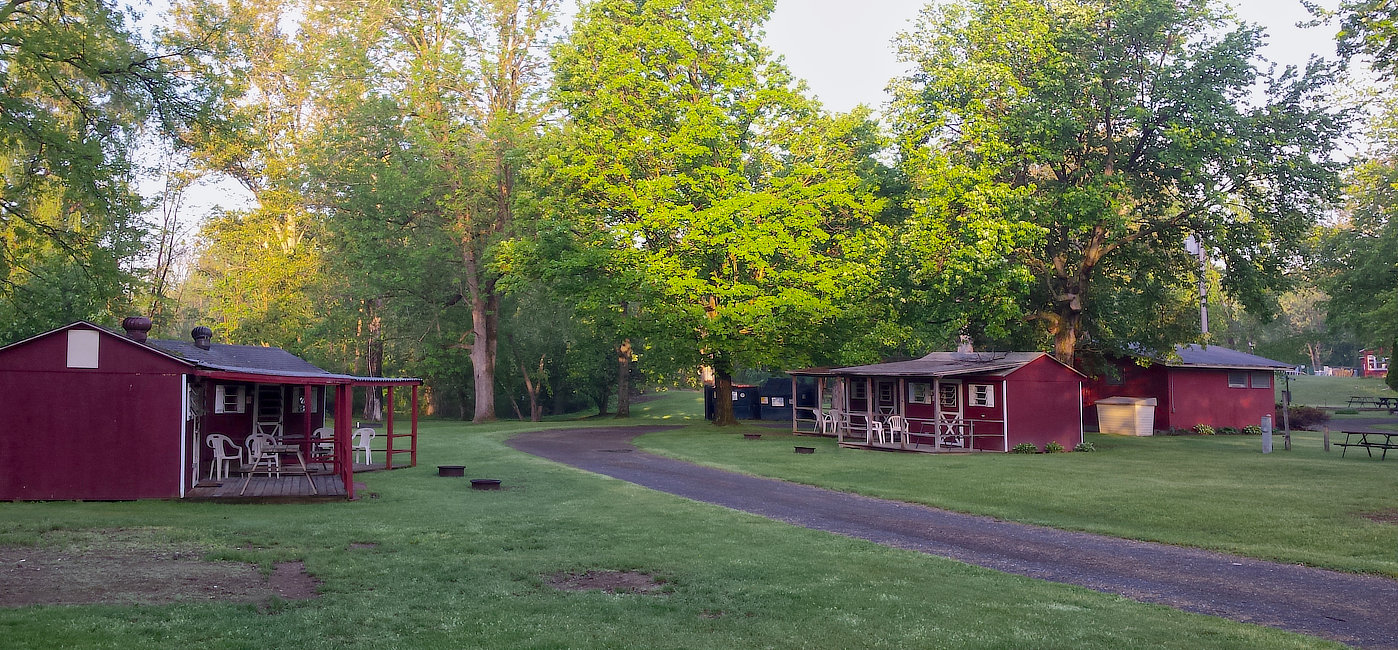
x=965 y=346
x=136 y=328
x=202 y=337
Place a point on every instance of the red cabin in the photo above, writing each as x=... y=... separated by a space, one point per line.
x=946 y=402
x=1373 y=363
x=94 y=415
x=1202 y=385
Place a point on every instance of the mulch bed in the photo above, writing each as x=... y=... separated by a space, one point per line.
x=612 y=582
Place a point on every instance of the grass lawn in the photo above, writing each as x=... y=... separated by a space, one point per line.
x=1215 y=492
x=1308 y=390
x=458 y=568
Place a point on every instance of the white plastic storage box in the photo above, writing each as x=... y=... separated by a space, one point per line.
x=1127 y=416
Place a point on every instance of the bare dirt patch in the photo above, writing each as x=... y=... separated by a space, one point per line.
x=124 y=573
x=1385 y=516
x=612 y=582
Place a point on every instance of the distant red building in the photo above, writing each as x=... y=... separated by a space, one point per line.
x=1203 y=385
x=1373 y=363
x=91 y=414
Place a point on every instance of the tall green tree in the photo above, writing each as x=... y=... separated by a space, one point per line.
x=1084 y=140
x=79 y=89
x=259 y=267
x=1363 y=249
x=749 y=211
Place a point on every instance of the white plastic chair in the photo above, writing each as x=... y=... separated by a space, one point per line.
x=897 y=428
x=224 y=451
x=363 y=441
x=260 y=461
x=876 y=431
x=323 y=444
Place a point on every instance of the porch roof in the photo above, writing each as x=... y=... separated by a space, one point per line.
x=259 y=363
x=937 y=364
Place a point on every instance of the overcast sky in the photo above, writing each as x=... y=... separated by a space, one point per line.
x=846 y=55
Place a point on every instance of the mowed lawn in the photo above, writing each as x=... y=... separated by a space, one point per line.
x=1216 y=492
x=456 y=568
x=1307 y=390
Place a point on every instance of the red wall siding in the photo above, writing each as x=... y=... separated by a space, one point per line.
x=1136 y=381
x=107 y=433
x=1043 y=400
x=90 y=436
x=1202 y=396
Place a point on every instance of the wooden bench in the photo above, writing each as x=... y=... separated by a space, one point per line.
x=1369 y=441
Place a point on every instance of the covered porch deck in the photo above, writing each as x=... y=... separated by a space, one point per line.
x=923 y=413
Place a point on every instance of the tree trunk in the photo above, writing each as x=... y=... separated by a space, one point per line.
x=723 y=400
x=485 y=333
x=373 y=398
x=623 y=379
x=536 y=410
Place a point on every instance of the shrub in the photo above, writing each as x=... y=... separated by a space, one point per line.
x=1176 y=431
x=1084 y=446
x=1203 y=429
x=1346 y=411
x=1024 y=448
x=1053 y=448
x=1228 y=431
x=1252 y=430
x=1303 y=417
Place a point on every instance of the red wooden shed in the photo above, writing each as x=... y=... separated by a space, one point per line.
x=1373 y=363
x=94 y=415
x=1210 y=385
x=947 y=402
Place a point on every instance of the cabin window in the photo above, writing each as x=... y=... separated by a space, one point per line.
x=82 y=348
x=885 y=392
x=919 y=393
x=299 y=406
x=1377 y=363
x=858 y=390
x=946 y=395
x=1261 y=380
x=778 y=401
x=1237 y=380
x=230 y=399
x=982 y=395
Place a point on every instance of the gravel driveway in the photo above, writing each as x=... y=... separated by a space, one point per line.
x=1349 y=608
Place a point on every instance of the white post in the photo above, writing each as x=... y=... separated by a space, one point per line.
x=1266 y=434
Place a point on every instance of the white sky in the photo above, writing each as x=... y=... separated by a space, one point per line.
x=844 y=50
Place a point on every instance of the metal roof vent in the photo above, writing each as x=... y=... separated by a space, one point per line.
x=136 y=328
x=203 y=337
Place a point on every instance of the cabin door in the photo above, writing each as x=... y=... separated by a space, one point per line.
x=268 y=409
x=949 y=413
x=886 y=394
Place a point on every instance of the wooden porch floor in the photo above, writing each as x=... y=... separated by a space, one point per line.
x=271 y=487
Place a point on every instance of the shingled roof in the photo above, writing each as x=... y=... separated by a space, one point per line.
x=940 y=364
x=253 y=359
x=1214 y=356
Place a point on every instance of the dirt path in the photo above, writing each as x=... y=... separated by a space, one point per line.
x=1348 y=608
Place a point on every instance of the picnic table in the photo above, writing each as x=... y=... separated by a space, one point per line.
x=1369 y=441
x=1390 y=403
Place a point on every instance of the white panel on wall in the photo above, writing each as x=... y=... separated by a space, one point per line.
x=82 y=348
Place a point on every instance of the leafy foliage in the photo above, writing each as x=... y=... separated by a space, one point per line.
x=1085 y=141
x=78 y=89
